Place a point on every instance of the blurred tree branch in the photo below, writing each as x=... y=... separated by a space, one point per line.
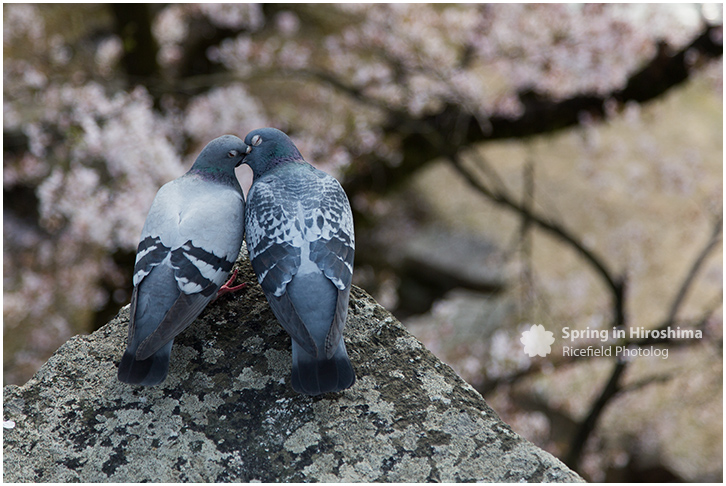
x=501 y=196
x=491 y=384
x=612 y=388
x=615 y=285
x=525 y=242
x=454 y=128
x=540 y=114
x=716 y=234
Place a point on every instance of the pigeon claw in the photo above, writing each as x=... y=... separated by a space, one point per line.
x=227 y=289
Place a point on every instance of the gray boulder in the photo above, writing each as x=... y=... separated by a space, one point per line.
x=227 y=412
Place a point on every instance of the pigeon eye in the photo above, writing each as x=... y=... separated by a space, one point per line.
x=232 y=153
x=256 y=140
x=249 y=149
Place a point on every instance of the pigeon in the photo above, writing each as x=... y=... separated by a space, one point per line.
x=301 y=244
x=189 y=243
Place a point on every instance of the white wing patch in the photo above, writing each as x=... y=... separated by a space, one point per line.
x=185 y=229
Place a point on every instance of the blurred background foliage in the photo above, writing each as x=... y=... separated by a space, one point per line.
x=507 y=165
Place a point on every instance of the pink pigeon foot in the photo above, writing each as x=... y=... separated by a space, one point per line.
x=226 y=289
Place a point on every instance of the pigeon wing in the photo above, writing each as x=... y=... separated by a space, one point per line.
x=151 y=252
x=178 y=317
x=198 y=270
x=274 y=235
x=333 y=250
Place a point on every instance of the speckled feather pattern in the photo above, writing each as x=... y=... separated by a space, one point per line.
x=292 y=204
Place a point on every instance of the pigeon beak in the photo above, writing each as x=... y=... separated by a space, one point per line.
x=247 y=152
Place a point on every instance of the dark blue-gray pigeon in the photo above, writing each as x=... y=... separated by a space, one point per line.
x=189 y=243
x=301 y=244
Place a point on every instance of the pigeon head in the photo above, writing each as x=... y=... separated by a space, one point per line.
x=219 y=158
x=269 y=148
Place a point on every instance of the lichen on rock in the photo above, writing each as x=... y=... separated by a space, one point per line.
x=227 y=412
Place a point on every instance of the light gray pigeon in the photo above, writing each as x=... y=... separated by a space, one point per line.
x=190 y=241
x=301 y=243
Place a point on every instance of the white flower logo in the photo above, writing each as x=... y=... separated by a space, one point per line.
x=537 y=341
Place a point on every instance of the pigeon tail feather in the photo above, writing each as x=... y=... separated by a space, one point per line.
x=315 y=376
x=148 y=304
x=147 y=372
x=316 y=301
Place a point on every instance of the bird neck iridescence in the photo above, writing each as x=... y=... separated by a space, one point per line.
x=214 y=174
x=280 y=163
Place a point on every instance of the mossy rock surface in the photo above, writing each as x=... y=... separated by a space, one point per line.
x=227 y=412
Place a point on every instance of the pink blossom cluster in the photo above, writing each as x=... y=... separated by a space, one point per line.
x=416 y=58
x=121 y=153
x=227 y=109
x=96 y=161
x=172 y=25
